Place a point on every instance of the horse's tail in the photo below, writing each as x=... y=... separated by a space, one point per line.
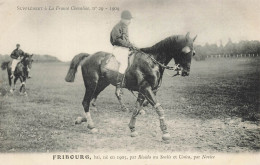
x=74 y=66
x=4 y=65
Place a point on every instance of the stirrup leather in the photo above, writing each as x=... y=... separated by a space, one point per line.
x=119 y=80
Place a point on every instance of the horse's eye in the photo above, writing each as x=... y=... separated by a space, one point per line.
x=194 y=53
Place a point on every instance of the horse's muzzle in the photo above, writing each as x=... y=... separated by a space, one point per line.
x=184 y=71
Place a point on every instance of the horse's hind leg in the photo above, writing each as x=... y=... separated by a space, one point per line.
x=123 y=107
x=93 y=104
x=90 y=81
x=102 y=84
x=86 y=103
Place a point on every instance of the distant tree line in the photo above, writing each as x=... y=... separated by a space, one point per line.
x=232 y=49
x=36 y=58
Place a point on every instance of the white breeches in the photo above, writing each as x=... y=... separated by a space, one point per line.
x=121 y=55
x=14 y=64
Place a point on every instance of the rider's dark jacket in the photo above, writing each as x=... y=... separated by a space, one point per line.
x=17 y=53
x=119 y=35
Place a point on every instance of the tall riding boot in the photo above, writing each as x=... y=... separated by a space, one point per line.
x=118 y=85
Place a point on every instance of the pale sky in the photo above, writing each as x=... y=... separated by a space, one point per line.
x=66 y=33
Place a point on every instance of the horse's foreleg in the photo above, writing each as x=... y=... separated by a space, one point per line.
x=146 y=103
x=22 y=88
x=10 y=84
x=137 y=110
x=9 y=79
x=15 y=80
x=149 y=95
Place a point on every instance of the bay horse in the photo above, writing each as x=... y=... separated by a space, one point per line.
x=79 y=58
x=143 y=75
x=20 y=72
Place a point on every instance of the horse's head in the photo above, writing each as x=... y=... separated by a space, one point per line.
x=184 y=55
x=27 y=60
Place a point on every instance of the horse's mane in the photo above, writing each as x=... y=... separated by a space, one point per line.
x=166 y=44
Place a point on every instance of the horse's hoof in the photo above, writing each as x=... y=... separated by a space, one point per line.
x=142 y=112
x=154 y=134
x=94 y=130
x=145 y=104
x=25 y=94
x=166 y=136
x=79 y=120
x=124 y=108
x=11 y=91
x=134 y=134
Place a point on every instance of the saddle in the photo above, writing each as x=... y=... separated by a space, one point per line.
x=111 y=66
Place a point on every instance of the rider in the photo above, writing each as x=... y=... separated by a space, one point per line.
x=17 y=56
x=120 y=41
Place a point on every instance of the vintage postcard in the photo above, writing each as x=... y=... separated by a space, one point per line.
x=130 y=82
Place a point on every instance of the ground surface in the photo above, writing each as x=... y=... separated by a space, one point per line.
x=215 y=109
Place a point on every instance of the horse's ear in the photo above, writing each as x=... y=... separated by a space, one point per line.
x=31 y=55
x=187 y=35
x=195 y=38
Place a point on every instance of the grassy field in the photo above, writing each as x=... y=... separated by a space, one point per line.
x=215 y=109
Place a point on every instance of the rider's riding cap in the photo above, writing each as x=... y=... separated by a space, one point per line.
x=126 y=15
x=17 y=44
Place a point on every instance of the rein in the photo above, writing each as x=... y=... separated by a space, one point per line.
x=174 y=68
x=162 y=65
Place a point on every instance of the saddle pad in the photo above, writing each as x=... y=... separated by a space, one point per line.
x=113 y=64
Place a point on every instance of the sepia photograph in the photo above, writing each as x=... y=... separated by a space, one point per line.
x=130 y=82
